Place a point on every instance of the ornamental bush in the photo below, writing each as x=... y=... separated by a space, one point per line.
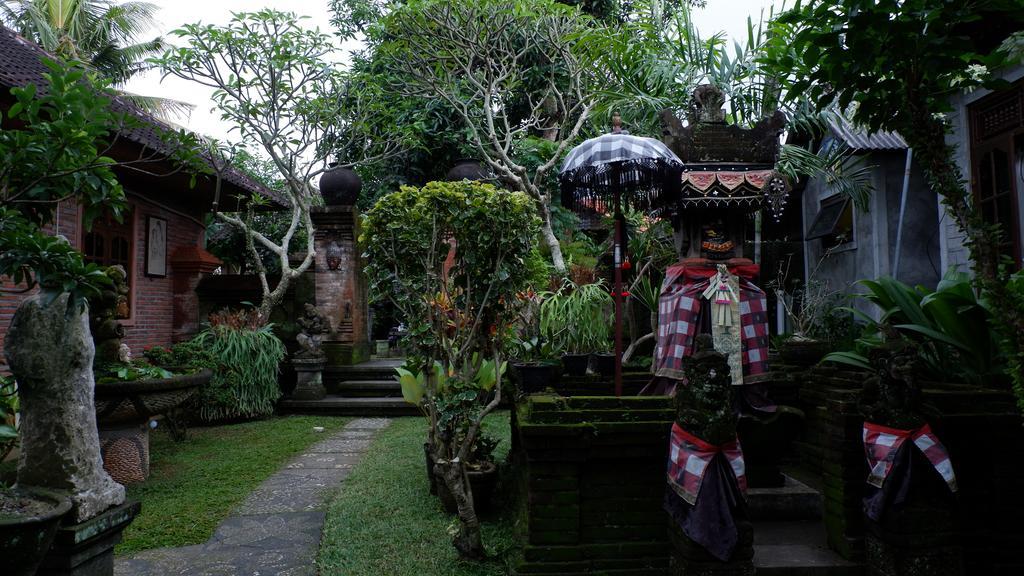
x=484 y=233
x=451 y=257
x=247 y=355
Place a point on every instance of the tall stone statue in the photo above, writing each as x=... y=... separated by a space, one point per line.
x=50 y=351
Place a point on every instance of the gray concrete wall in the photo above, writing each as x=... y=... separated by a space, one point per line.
x=872 y=252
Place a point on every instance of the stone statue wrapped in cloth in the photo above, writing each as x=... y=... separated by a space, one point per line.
x=721 y=299
x=706 y=477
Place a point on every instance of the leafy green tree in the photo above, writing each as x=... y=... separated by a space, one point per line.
x=451 y=257
x=894 y=65
x=273 y=80
x=477 y=56
x=58 y=150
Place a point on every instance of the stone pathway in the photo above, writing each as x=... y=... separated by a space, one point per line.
x=276 y=531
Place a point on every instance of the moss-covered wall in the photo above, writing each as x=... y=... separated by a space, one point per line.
x=591 y=478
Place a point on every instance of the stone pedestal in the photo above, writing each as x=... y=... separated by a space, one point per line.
x=87 y=548
x=691 y=559
x=126 y=453
x=309 y=383
x=340 y=289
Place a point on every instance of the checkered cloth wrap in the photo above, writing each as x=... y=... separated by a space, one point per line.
x=678 y=308
x=688 y=459
x=881 y=444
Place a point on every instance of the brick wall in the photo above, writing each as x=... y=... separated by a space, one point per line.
x=152 y=318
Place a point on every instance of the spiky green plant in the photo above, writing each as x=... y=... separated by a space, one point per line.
x=248 y=354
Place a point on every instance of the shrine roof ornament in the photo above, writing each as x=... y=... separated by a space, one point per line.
x=754 y=189
x=726 y=164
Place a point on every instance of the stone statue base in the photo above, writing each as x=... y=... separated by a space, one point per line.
x=87 y=548
x=691 y=559
x=309 y=382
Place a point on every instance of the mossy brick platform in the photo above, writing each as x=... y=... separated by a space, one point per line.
x=981 y=429
x=591 y=475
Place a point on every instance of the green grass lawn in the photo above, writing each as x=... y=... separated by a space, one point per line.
x=194 y=484
x=384 y=520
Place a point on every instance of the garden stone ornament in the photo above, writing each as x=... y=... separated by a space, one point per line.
x=50 y=351
x=313 y=324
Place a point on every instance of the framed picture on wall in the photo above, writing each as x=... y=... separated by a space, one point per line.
x=156 y=246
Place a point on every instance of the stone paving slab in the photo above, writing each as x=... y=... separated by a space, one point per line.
x=277 y=529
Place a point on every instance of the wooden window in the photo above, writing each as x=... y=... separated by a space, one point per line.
x=110 y=243
x=997 y=157
x=833 y=223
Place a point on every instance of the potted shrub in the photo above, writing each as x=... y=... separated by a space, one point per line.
x=949 y=325
x=576 y=320
x=455 y=402
x=603 y=362
x=451 y=257
x=817 y=321
x=28 y=522
x=536 y=365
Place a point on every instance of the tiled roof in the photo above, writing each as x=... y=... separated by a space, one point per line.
x=21 y=64
x=860 y=139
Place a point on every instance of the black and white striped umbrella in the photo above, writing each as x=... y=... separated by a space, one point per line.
x=643 y=171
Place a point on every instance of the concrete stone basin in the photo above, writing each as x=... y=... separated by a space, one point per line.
x=124 y=411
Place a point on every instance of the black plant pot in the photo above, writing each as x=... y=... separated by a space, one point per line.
x=482 y=482
x=24 y=540
x=575 y=364
x=802 y=352
x=603 y=364
x=536 y=376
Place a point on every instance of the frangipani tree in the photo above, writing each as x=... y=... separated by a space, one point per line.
x=275 y=82
x=451 y=257
x=510 y=71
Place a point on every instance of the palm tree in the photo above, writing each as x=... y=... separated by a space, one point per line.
x=101 y=33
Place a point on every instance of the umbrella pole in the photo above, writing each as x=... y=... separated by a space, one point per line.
x=618 y=257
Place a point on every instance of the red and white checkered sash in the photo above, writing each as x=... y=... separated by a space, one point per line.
x=881 y=444
x=678 y=306
x=688 y=459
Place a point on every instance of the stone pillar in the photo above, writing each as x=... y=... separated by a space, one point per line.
x=340 y=288
x=188 y=265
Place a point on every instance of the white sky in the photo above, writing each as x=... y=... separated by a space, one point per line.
x=729 y=16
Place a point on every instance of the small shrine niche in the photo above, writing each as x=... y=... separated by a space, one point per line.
x=729 y=178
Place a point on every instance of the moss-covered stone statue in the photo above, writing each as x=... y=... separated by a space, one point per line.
x=892 y=397
x=313 y=324
x=708 y=526
x=909 y=504
x=705 y=405
x=106 y=310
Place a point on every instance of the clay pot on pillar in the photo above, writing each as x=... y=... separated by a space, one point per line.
x=340 y=186
x=467 y=169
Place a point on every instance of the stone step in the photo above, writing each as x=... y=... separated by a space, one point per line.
x=792 y=501
x=342 y=406
x=368 y=388
x=382 y=369
x=797 y=548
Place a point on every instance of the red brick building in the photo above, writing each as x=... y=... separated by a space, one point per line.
x=163 y=207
